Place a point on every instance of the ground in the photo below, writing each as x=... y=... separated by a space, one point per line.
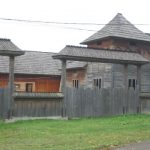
x=77 y=134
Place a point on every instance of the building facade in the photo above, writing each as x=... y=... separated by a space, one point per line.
x=118 y=35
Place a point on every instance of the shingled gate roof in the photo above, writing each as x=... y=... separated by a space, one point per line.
x=119 y=27
x=100 y=55
x=7 y=48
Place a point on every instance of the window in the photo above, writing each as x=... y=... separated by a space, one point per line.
x=97 y=83
x=17 y=87
x=98 y=42
x=29 y=87
x=75 y=83
x=131 y=43
x=132 y=83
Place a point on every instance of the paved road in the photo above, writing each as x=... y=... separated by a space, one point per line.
x=138 y=146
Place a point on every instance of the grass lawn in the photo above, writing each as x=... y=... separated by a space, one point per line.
x=79 y=134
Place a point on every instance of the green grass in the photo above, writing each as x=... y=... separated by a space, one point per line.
x=79 y=134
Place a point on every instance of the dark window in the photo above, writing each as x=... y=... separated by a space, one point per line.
x=29 y=87
x=131 y=43
x=75 y=83
x=131 y=83
x=98 y=42
x=97 y=83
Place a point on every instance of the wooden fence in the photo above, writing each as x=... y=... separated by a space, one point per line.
x=4 y=103
x=38 y=104
x=77 y=103
x=31 y=104
x=92 y=103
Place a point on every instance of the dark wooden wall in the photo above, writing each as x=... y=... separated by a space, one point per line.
x=31 y=107
x=31 y=104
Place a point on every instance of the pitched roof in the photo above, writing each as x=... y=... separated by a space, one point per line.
x=32 y=62
x=8 y=48
x=100 y=55
x=37 y=63
x=118 y=27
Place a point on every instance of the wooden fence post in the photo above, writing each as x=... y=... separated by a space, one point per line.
x=125 y=74
x=63 y=86
x=139 y=87
x=11 y=86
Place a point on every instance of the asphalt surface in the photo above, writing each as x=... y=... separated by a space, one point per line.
x=136 y=146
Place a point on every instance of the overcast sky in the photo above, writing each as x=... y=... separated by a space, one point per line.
x=53 y=37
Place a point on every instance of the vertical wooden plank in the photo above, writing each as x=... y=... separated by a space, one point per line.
x=1 y=103
x=125 y=76
x=138 y=88
x=6 y=102
x=11 y=84
x=63 y=86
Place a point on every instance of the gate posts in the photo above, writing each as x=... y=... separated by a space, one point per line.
x=63 y=87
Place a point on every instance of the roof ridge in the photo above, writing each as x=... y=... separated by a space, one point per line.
x=5 y=39
x=108 y=49
x=119 y=27
x=39 y=51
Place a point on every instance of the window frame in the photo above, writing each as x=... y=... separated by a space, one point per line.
x=97 y=83
x=75 y=83
x=132 y=83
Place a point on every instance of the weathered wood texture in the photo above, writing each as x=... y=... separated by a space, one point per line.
x=31 y=104
x=38 y=104
x=145 y=102
x=145 y=105
x=37 y=107
x=92 y=103
x=4 y=103
x=98 y=71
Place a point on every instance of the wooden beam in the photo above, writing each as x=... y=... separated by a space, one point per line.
x=125 y=74
x=63 y=76
x=138 y=88
x=139 y=77
x=63 y=86
x=11 y=85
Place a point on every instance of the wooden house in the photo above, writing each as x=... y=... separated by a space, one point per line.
x=118 y=35
x=114 y=76
x=34 y=71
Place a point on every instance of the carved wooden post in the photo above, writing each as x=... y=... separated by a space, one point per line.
x=11 y=85
x=63 y=86
x=139 y=87
x=125 y=72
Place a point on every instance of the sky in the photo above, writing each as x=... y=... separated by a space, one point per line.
x=54 y=37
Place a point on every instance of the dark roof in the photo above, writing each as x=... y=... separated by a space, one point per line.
x=99 y=55
x=37 y=63
x=119 y=27
x=32 y=62
x=8 y=48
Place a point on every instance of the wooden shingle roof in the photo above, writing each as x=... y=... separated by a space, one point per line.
x=37 y=63
x=119 y=27
x=8 y=48
x=100 y=55
x=32 y=62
